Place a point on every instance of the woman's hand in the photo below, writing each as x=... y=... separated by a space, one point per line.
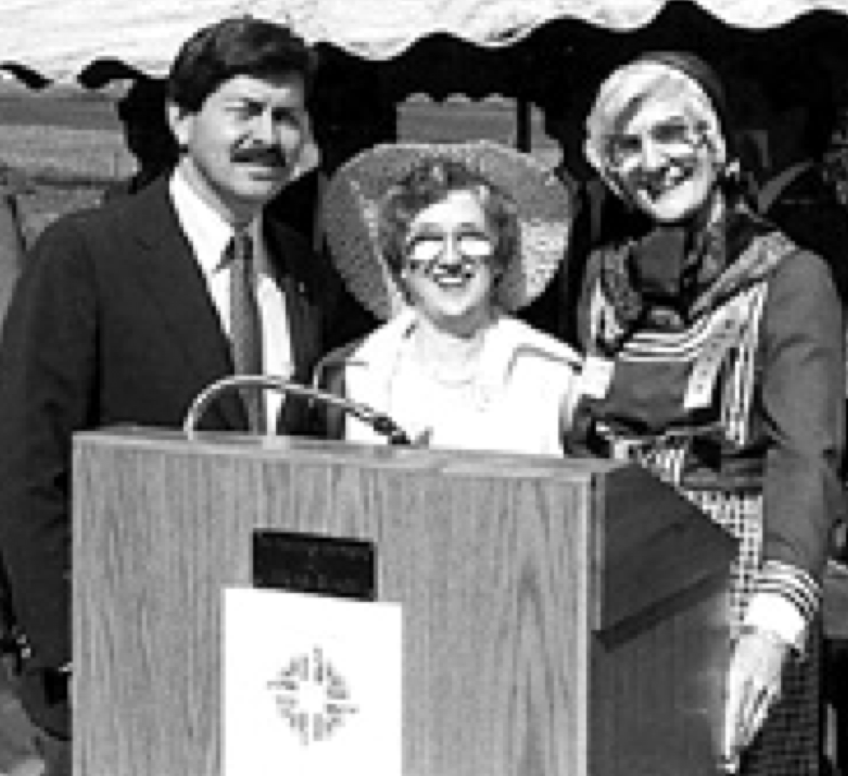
x=753 y=686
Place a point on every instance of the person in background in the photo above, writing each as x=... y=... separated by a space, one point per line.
x=714 y=358
x=12 y=245
x=445 y=243
x=147 y=134
x=12 y=251
x=785 y=119
x=351 y=113
x=17 y=753
x=555 y=310
x=126 y=312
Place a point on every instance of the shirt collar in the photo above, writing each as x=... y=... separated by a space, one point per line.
x=380 y=352
x=207 y=232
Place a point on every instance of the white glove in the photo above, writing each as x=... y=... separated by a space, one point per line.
x=753 y=686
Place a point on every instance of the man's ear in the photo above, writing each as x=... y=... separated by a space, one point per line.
x=308 y=155
x=180 y=121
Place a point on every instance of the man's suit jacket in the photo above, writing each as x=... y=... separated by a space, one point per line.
x=111 y=323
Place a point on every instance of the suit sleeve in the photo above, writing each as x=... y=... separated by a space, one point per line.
x=47 y=392
x=803 y=405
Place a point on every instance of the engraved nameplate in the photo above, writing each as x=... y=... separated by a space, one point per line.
x=309 y=563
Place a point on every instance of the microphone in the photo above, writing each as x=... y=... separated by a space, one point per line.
x=380 y=422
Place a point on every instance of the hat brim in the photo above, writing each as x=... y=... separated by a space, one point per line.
x=351 y=209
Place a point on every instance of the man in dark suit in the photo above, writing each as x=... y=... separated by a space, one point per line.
x=121 y=316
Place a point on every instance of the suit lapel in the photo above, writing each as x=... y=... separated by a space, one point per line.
x=295 y=275
x=291 y=271
x=167 y=268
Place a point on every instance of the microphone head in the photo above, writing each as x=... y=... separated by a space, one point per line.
x=384 y=425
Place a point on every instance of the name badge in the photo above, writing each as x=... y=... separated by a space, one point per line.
x=596 y=377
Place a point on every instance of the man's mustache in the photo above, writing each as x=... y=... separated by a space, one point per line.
x=269 y=157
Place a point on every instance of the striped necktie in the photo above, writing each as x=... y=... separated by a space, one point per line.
x=246 y=324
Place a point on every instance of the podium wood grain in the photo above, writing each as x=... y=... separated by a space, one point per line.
x=523 y=655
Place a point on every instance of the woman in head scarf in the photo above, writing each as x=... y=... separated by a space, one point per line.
x=715 y=359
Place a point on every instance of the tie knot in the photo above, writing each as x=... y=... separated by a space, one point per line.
x=240 y=248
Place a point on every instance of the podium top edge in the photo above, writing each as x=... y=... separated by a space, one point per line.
x=447 y=461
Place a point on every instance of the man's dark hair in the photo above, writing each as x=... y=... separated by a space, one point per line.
x=236 y=46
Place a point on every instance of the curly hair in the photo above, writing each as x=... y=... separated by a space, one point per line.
x=430 y=182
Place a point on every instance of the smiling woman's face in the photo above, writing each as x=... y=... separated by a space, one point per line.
x=663 y=162
x=448 y=270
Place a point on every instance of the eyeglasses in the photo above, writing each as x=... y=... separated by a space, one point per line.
x=670 y=138
x=423 y=250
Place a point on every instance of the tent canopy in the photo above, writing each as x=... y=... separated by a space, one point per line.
x=376 y=53
x=59 y=40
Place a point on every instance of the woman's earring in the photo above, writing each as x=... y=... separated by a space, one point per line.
x=732 y=171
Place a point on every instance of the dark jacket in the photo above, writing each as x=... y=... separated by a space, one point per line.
x=111 y=323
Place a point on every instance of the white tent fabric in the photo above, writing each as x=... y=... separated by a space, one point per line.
x=60 y=37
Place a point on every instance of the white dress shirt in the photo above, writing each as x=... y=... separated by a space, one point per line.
x=209 y=236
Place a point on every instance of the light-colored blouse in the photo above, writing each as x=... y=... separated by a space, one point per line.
x=516 y=400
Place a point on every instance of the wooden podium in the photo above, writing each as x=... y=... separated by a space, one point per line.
x=560 y=618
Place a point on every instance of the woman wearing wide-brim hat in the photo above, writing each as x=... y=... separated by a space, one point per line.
x=443 y=242
x=716 y=347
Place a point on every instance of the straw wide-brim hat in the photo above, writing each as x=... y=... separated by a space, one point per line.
x=353 y=197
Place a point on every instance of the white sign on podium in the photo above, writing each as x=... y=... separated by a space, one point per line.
x=312 y=685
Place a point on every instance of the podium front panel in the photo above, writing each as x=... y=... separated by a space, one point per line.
x=497 y=561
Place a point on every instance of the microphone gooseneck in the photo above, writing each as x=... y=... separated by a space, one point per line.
x=380 y=422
